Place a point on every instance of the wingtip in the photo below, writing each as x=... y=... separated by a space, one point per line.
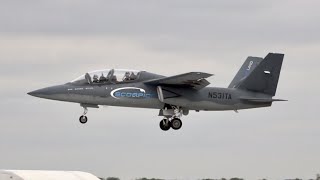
x=280 y=100
x=203 y=73
x=208 y=74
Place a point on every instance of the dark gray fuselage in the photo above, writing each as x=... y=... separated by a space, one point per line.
x=208 y=98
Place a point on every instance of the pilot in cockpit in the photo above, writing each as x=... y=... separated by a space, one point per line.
x=102 y=78
x=133 y=76
x=126 y=76
x=95 y=78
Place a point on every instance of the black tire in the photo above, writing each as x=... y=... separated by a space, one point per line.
x=176 y=124
x=165 y=125
x=83 y=119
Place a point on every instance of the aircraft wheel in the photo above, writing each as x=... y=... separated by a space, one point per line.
x=176 y=124
x=165 y=124
x=83 y=119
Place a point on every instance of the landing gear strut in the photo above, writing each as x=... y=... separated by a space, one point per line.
x=83 y=119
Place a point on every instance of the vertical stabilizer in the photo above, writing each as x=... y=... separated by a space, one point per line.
x=248 y=66
x=264 y=78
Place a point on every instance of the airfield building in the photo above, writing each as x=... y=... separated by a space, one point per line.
x=42 y=175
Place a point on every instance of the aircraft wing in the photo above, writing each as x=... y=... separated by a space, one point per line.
x=194 y=80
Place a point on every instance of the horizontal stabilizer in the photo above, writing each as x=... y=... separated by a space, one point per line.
x=261 y=100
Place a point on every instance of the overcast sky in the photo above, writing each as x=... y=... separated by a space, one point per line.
x=45 y=43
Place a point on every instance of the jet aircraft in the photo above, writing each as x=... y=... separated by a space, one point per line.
x=253 y=87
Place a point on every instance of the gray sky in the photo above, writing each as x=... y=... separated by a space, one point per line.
x=44 y=43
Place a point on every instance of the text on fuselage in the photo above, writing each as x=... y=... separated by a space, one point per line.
x=218 y=95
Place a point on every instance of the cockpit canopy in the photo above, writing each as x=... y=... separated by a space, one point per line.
x=104 y=76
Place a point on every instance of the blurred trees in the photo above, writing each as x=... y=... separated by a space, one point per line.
x=110 y=178
x=235 y=178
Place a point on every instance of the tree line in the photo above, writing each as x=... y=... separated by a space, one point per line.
x=115 y=178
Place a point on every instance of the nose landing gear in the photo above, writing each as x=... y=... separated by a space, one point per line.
x=83 y=119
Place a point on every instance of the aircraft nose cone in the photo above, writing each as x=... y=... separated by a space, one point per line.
x=48 y=92
x=58 y=92
x=38 y=93
x=31 y=93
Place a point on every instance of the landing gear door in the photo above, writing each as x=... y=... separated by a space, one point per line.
x=165 y=93
x=160 y=93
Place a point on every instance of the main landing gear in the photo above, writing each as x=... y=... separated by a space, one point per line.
x=171 y=118
x=83 y=119
x=166 y=124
